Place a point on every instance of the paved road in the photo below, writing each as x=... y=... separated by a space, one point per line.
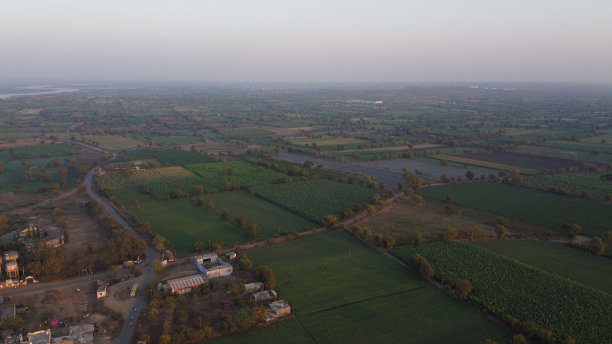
x=147 y=267
x=39 y=287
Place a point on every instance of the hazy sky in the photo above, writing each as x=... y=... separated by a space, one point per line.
x=307 y=41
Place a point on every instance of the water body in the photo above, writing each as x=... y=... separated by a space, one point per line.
x=37 y=93
x=389 y=172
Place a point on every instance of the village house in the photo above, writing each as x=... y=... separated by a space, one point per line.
x=212 y=266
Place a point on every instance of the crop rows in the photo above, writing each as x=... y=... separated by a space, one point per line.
x=242 y=173
x=316 y=198
x=505 y=286
x=40 y=151
x=160 y=181
x=487 y=164
x=591 y=185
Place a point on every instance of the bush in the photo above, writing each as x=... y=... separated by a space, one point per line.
x=422 y=266
x=464 y=287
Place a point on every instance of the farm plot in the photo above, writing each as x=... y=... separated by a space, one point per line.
x=564 y=261
x=565 y=154
x=590 y=185
x=582 y=146
x=529 y=205
x=524 y=160
x=364 y=297
x=404 y=217
x=389 y=172
x=270 y=218
x=161 y=182
x=183 y=223
x=181 y=157
x=486 y=164
x=242 y=173
x=505 y=286
x=316 y=198
x=111 y=142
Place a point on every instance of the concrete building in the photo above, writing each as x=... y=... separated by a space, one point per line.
x=212 y=266
x=11 y=256
x=264 y=295
x=30 y=235
x=39 y=337
x=278 y=309
x=80 y=334
x=183 y=285
x=12 y=270
x=254 y=287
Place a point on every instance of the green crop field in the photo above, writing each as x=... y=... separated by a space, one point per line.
x=558 y=259
x=111 y=142
x=290 y=331
x=529 y=205
x=161 y=181
x=270 y=218
x=487 y=164
x=595 y=185
x=183 y=223
x=244 y=173
x=505 y=286
x=315 y=199
x=582 y=146
x=367 y=298
x=181 y=157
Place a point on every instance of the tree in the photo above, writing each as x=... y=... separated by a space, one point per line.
x=266 y=275
x=464 y=287
x=253 y=230
x=11 y=323
x=489 y=341
x=500 y=220
x=176 y=193
x=200 y=246
x=476 y=233
x=240 y=221
x=347 y=212
x=329 y=221
x=165 y=339
x=198 y=190
x=598 y=247
x=159 y=243
x=225 y=214
x=450 y=199
x=572 y=229
x=210 y=206
x=413 y=181
x=518 y=339
x=448 y=234
x=422 y=266
x=470 y=174
x=501 y=231
x=445 y=178
x=62 y=173
x=416 y=238
x=244 y=263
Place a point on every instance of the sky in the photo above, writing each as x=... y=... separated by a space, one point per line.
x=306 y=40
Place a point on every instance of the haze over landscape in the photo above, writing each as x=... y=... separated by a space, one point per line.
x=306 y=41
x=308 y=172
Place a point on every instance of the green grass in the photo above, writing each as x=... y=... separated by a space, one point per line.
x=503 y=286
x=40 y=151
x=575 y=184
x=528 y=205
x=244 y=173
x=558 y=259
x=315 y=199
x=270 y=218
x=183 y=223
x=290 y=331
x=368 y=298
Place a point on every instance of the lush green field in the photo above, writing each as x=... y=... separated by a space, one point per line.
x=582 y=146
x=575 y=184
x=290 y=331
x=161 y=181
x=527 y=204
x=505 y=286
x=111 y=142
x=183 y=223
x=487 y=164
x=270 y=218
x=315 y=199
x=367 y=298
x=243 y=173
x=558 y=259
x=181 y=157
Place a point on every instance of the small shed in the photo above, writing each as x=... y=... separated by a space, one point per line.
x=264 y=295
x=278 y=309
x=254 y=287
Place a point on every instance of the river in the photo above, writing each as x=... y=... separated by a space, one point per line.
x=51 y=90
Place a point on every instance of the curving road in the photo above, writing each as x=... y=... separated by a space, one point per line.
x=147 y=267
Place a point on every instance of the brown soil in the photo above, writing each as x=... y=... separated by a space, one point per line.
x=534 y=162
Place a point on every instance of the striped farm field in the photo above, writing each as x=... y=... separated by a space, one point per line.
x=364 y=297
x=482 y=163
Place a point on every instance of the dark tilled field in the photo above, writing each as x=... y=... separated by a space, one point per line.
x=534 y=162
